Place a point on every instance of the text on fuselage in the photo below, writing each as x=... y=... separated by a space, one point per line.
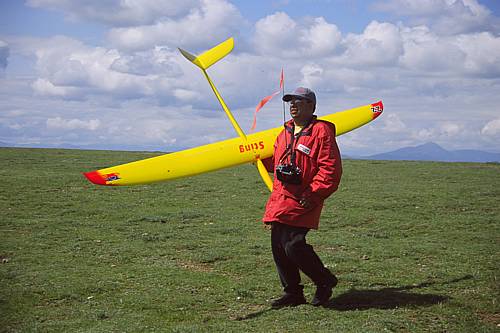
x=252 y=146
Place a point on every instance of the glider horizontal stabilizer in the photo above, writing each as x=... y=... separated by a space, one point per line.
x=210 y=57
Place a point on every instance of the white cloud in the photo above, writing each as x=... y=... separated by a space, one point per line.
x=119 y=13
x=451 y=130
x=71 y=69
x=482 y=52
x=210 y=23
x=44 y=87
x=422 y=51
x=311 y=75
x=447 y=132
x=379 y=44
x=159 y=131
x=279 y=35
x=444 y=16
x=165 y=128
x=156 y=61
x=425 y=51
x=72 y=124
x=393 y=123
x=492 y=128
x=185 y=95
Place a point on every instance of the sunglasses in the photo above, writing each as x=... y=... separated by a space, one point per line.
x=300 y=100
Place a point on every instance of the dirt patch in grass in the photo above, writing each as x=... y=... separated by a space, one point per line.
x=490 y=318
x=194 y=266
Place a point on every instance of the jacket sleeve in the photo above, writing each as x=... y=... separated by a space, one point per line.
x=269 y=164
x=327 y=179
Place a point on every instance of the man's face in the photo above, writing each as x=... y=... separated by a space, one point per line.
x=301 y=110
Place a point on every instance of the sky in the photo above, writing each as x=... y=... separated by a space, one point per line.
x=108 y=75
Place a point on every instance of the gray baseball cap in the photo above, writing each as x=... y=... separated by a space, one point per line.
x=301 y=92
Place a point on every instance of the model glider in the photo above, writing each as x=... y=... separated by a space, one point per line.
x=223 y=154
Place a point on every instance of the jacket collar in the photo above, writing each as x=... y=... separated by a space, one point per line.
x=289 y=126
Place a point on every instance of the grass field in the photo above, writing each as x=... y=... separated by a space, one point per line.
x=415 y=246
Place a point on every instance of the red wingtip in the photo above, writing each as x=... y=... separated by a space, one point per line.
x=377 y=109
x=95 y=177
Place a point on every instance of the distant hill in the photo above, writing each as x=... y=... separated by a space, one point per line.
x=433 y=152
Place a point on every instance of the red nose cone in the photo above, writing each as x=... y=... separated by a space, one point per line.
x=377 y=109
x=95 y=177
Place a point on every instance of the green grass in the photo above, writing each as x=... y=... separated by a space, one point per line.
x=414 y=244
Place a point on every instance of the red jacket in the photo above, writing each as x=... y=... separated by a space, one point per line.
x=318 y=157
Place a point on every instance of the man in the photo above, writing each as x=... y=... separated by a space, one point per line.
x=307 y=169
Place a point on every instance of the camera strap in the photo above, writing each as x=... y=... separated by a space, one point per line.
x=294 y=137
x=292 y=146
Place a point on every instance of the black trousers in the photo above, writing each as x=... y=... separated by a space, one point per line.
x=291 y=253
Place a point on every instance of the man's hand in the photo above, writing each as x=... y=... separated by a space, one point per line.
x=268 y=226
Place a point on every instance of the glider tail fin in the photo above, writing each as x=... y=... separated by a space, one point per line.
x=207 y=59
x=210 y=57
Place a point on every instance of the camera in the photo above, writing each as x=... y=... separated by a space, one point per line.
x=288 y=173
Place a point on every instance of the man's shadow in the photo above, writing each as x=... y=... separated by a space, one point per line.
x=389 y=298
x=385 y=298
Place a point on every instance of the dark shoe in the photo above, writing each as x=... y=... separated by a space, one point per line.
x=288 y=300
x=324 y=292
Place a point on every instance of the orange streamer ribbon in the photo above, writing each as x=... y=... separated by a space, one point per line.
x=265 y=100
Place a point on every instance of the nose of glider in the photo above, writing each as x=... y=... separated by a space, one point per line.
x=377 y=109
x=95 y=177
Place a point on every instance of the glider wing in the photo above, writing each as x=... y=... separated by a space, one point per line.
x=221 y=154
